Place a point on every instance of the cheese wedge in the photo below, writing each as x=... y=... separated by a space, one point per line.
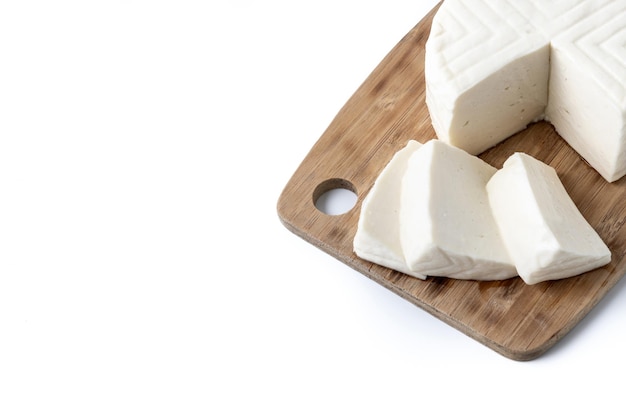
x=447 y=228
x=494 y=66
x=377 y=238
x=544 y=232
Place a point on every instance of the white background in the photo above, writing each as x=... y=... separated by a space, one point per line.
x=143 y=268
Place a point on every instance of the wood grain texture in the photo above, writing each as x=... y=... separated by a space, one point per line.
x=516 y=320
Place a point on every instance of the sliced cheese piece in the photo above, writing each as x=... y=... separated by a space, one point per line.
x=377 y=238
x=446 y=224
x=494 y=66
x=546 y=235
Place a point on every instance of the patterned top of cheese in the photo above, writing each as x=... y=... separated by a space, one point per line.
x=474 y=37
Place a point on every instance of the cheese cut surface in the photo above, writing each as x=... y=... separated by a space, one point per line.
x=377 y=238
x=494 y=66
x=446 y=224
x=545 y=234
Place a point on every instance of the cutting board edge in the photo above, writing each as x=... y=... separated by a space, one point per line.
x=363 y=267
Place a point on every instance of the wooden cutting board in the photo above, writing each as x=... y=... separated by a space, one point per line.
x=516 y=320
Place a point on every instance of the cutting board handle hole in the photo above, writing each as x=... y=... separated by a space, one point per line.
x=335 y=196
